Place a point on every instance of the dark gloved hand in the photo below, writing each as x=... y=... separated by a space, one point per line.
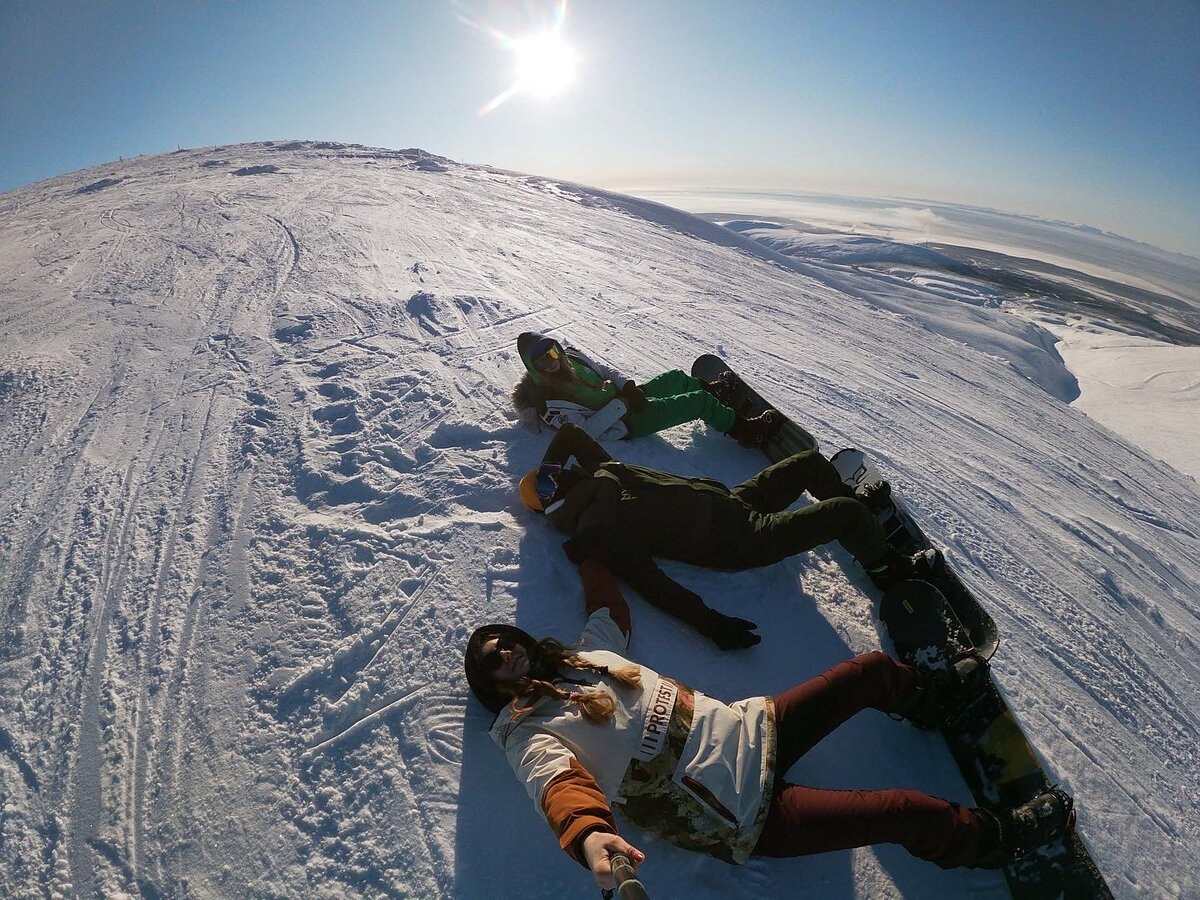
x=580 y=552
x=730 y=632
x=634 y=397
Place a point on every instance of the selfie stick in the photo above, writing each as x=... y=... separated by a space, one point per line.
x=628 y=886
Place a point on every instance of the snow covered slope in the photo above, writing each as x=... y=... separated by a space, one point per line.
x=1147 y=390
x=256 y=487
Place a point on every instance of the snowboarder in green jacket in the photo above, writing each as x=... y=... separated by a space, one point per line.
x=627 y=515
x=562 y=384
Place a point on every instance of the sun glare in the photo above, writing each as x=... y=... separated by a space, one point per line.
x=545 y=65
x=545 y=62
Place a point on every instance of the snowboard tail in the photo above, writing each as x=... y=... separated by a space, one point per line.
x=745 y=401
x=986 y=740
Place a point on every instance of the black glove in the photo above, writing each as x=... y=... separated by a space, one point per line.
x=634 y=397
x=729 y=632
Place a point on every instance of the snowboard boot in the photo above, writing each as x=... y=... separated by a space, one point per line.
x=722 y=388
x=941 y=694
x=1015 y=832
x=755 y=431
x=876 y=497
x=920 y=566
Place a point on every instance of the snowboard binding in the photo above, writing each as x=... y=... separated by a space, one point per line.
x=943 y=695
x=1020 y=830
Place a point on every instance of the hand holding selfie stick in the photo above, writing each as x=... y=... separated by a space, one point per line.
x=628 y=886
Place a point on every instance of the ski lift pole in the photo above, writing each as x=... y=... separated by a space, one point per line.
x=628 y=887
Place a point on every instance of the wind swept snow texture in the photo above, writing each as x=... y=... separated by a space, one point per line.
x=257 y=467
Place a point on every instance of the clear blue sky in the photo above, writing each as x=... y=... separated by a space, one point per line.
x=1083 y=110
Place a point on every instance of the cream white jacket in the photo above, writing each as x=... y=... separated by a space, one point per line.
x=681 y=765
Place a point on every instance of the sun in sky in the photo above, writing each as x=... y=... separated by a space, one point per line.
x=545 y=62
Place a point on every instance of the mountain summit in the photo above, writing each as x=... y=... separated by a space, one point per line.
x=258 y=475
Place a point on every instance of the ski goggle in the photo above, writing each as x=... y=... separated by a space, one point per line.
x=544 y=362
x=547 y=482
x=491 y=661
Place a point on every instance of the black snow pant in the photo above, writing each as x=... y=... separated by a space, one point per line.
x=767 y=534
x=803 y=820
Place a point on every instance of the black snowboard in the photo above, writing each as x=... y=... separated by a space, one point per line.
x=906 y=536
x=790 y=440
x=986 y=740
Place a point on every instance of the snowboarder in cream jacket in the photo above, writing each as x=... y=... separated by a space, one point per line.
x=562 y=384
x=585 y=729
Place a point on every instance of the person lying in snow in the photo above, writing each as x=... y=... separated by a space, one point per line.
x=561 y=384
x=584 y=729
x=630 y=514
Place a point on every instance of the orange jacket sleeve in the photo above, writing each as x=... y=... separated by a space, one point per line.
x=600 y=589
x=574 y=806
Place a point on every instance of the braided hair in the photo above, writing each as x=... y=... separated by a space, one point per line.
x=596 y=705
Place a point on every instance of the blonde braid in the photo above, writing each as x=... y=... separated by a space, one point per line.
x=629 y=676
x=596 y=704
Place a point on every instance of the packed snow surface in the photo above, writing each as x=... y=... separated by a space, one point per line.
x=257 y=466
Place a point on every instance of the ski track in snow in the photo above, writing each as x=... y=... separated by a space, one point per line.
x=256 y=477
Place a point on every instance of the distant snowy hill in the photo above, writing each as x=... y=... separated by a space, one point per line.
x=1083 y=250
x=1133 y=354
x=257 y=466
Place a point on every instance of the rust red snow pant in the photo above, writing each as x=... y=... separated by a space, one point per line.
x=805 y=820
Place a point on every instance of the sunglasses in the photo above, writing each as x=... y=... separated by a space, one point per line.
x=546 y=360
x=491 y=662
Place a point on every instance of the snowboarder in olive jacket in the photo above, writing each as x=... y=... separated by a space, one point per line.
x=630 y=514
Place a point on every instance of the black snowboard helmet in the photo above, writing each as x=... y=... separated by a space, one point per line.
x=483 y=686
x=531 y=345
